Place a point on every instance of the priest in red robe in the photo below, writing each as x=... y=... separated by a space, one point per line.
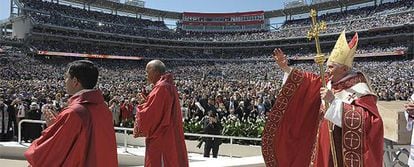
x=296 y=132
x=82 y=134
x=159 y=119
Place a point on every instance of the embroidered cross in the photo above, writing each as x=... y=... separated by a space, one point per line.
x=282 y=102
x=296 y=77
x=353 y=118
x=351 y=96
x=278 y=116
x=352 y=161
x=351 y=140
x=289 y=89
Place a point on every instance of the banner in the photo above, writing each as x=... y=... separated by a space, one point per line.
x=93 y=56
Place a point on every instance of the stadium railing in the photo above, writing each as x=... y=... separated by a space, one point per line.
x=391 y=154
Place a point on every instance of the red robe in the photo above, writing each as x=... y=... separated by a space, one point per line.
x=290 y=136
x=160 y=121
x=126 y=111
x=82 y=135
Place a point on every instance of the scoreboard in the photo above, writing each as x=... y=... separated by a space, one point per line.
x=224 y=22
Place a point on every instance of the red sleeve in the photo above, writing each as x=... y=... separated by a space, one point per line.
x=291 y=126
x=56 y=141
x=153 y=115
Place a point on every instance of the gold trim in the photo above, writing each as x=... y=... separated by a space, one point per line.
x=352 y=135
x=273 y=119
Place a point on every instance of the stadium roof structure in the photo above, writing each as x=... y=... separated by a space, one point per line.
x=327 y=5
x=129 y=9
x=330 y=4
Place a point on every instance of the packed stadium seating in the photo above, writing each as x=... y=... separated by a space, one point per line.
x=384 y=15
x=222 y=66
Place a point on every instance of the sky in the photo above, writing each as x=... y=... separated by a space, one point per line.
x=206 y=6
x=215 y=5
x=4 y=9
x=191 y=5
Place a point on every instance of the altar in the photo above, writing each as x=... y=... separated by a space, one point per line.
x=396 y=136
x=392 y=114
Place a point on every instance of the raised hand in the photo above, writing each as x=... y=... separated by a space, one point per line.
x=320 y=59
x=281 y=60
x=142 y=98
x=327 y=95
x=49 y=114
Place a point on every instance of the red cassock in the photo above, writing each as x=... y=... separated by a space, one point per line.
x=290 y=136
x=82 y=135
x=160 y=121
x=126 y=111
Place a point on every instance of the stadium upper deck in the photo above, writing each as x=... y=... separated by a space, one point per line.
x=46 y=13
x=50 y=22
x=320 y=5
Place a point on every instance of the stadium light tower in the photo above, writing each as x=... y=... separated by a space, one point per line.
x=139 y=3
x=320 y=1
x=116 y=1
x=294 y=3
x=14 y=9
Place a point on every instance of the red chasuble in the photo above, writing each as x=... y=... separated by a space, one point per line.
x=160 y=121
x=82 y=135
x=296 y=133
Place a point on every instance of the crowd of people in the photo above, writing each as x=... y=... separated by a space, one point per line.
x=196 y=54
x=370 y=17
x=57 y=10
x=219 y=92
x=240 y=93
x=237 y=91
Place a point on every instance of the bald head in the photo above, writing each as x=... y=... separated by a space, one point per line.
x=156 y=65
x=155 y=69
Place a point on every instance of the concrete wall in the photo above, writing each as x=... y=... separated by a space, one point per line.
x=235 y=150
x=21 y=27
x=13 y=150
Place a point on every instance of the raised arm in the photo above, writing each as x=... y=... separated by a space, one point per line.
x=281 y=60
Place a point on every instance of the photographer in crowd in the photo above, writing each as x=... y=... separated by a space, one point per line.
x=212 y=126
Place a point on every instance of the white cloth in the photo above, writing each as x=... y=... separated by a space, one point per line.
x=353 y=93
x=116 y=112
x=334 y=112
x=200 y=106
x=21 y=112
x=231 y=105
x=285 y=77
x=410 y=123
x=5 y=114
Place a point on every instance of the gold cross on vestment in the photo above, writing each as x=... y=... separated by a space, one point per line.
x=350 y=138
x=353 y=118
x=352 y=159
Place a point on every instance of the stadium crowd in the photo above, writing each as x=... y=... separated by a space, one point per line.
x=238 y=91
x=365 y=18
x=235 y=54
x=241 y=92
